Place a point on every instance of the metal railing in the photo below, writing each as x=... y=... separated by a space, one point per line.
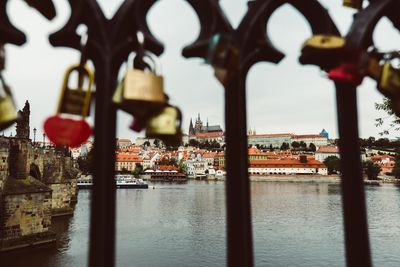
x=110 y=41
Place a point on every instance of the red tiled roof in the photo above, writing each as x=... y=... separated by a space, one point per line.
x=328 y=149
x=128 y=158
x=308 y=136
x=211 y=134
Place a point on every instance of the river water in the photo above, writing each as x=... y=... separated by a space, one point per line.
x=294 y=224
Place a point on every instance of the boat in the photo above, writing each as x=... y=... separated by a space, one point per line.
x=121 y=181
x=84 y=183
x=129 y=181
x=166 y=176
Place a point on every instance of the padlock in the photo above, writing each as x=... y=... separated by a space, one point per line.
x=8 y=112
x=389 y=83
x=346 y=73
x=76 y=101
x=141 y=92
x=223 y=56
x=166 y=126
x=357 y=4
x=67 y=131
x=325 y=51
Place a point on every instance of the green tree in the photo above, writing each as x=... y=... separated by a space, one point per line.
x=193 y=142
x=394 y=119
x=333 y=164
x=147 y=143
x=371 y=169
x=156 y=142
x=303 y=145
x=295 y=144
x=312 y=147
x=271 y=148
x=138 y=169
x=284 y=146
x=85 y=163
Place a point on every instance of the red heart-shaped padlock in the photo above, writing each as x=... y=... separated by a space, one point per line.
x=66 y=131
x=137 y=125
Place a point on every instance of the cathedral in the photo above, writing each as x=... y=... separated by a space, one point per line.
x=200 y=128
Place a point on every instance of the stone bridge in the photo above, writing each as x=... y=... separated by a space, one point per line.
x=36 y=183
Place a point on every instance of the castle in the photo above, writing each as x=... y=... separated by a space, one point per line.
x=199 y=128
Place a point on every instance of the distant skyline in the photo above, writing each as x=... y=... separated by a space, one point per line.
x=286 y=97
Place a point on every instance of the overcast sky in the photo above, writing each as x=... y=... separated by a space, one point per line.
x=281 y=98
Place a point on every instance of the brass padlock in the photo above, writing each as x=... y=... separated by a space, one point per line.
x=324 y=51
x=389 y=83
x=357 y=4
x=141 y=92
x=166 y=126
x=76 y=101
x=8 y=112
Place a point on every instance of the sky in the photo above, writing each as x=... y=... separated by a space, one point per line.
x=281 y=98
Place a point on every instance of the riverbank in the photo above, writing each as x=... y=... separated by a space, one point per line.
x=296 y=178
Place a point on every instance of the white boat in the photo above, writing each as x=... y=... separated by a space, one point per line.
x=129 y=181
x=121 y=181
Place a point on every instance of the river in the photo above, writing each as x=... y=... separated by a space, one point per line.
x=294 y=224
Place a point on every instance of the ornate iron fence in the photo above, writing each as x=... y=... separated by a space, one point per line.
x=110 y=41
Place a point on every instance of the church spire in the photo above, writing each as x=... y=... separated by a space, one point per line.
x=191 y=128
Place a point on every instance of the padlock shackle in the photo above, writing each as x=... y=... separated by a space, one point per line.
x=140 y=63
x=4 y=85
x=82 y=70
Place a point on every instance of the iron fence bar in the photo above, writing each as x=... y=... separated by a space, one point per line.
x=239 y=228
x=353 y=196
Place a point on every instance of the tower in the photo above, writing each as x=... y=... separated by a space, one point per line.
x=23 y=128
x=191 y=128
x=198 y=127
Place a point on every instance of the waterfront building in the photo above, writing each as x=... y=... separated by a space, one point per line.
x=196 y=165
x=287 y=166
x=266 y=140
x=327 y=151
x=127 y=162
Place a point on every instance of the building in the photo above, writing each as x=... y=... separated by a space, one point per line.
x=324 y=133
x=287 y=166
x=266 y=140
x=123 y=143
x=127 y=162
x=386 y=162
x=196 y=166
x=327 y=151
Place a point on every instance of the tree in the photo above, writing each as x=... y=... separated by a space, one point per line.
x=271 y=148
x=193 y=142
x=394 y=118
x=333 y=164
x=147 y=143
x=371 y=169
x=156 y=142
x=303 y=145
x=284 y=146
x=312 y=147
x=295 y=144
x=85 y=163
x=138 y=169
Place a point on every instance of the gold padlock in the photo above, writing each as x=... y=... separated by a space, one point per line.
x=8 y=112
x=389 y=83
x=76 y=101
x=325 y=42
x=324 y=51
x=141 y=92
x=166 y=126
x=357 y=4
